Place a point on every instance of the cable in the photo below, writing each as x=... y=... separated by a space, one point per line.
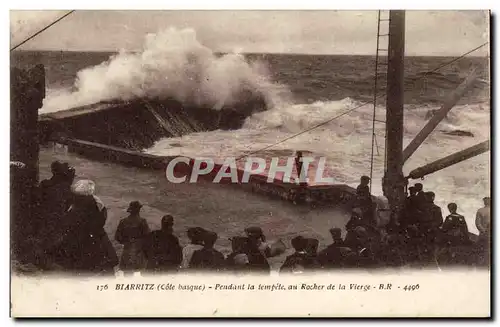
x=359 y=106
x=43 y=29
x=305 y=131
x=456 y=59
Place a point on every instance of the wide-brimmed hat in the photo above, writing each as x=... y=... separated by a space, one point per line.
x=134 y=206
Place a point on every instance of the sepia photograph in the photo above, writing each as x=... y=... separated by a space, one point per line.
x=221 y=161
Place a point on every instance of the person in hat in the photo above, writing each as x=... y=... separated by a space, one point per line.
x=420 y=201
x=257 y=240
x=455 y=228
x=355 y=220
x=196 y=237
x=162 y=249
x=207 y=258
x=300 y=261
x=85 y=245
x=312 y=246
x=237 y=261
x=130 y=233
x=409 y=212
x=364 y=198
x=258 y=250
x=363 y=189
x=432 y=218
x=54 y=197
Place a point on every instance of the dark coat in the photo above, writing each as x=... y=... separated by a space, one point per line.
x=54 y=199
x=131 y=232
x=257 y=261
x=455 y=229
x=207 y=259
x=331 y=256
x=86 y=247
x=163 y=252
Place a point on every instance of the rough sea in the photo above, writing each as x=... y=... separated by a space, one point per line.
x=302 y=91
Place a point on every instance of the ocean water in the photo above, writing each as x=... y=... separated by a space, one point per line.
x=302 y=91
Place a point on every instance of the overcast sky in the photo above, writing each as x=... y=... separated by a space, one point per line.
x=315 y=32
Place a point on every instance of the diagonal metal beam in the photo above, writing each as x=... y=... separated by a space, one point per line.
x=439 y=116
x=450 y=160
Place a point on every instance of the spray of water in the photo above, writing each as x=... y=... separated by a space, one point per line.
x=171 y=64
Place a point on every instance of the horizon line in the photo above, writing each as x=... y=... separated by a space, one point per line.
x=261 y=53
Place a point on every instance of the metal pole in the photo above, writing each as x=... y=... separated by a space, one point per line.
x=439 y=116
x=450 y=160
x=394 y=181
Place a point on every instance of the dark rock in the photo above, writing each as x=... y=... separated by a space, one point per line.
x=459 y=132
x=130 y=125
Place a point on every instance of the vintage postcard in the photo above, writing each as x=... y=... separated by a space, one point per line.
x=177 y=163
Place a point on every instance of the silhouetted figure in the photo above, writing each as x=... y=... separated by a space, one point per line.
x=298 y=165
x=85 y=247
x=364 y=199
x=55 y=197
x=455 y=227
x=336 y=234
x=410 y=214
x=208 y=258
x=131 y=232
x=420 y=201
x=483 y=224
x=331 y=256
x=483 y=220
x=357 y=220
x=312 y=246
x=437 y=214
x=258 y=250
x=257 y=240
x=161 y=248
x=300 y=194
x=237 y=261
x=432 y=218
x=363 y=189
x=195 y=236
x=300 y=261
x=419 y=188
